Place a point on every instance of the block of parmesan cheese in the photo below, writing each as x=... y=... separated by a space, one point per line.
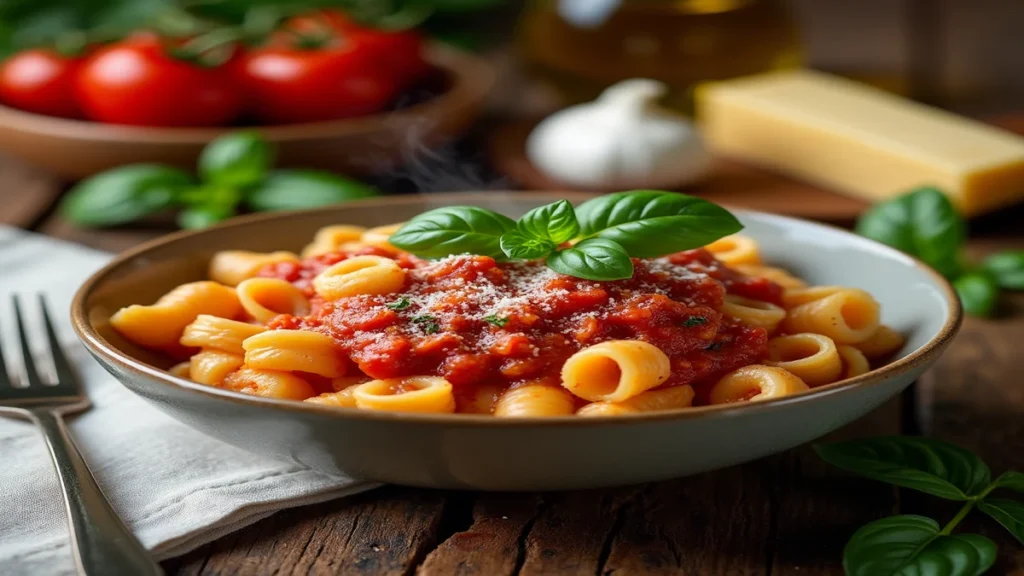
x=860 y=141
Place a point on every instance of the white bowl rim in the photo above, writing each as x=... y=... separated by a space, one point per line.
x=99 y=346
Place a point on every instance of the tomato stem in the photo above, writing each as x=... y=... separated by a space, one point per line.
x=72 y=43
x=311 y=40
x=202 y=50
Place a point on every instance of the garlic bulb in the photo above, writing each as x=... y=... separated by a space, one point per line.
x=620 y=141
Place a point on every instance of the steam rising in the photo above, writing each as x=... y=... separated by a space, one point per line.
x=441 y=167
x=426 y=165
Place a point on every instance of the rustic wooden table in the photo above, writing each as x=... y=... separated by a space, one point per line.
x=786 y=514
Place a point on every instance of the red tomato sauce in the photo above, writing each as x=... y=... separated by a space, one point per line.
x=473 y=321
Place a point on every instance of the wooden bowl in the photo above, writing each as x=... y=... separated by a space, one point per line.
x=363 y=145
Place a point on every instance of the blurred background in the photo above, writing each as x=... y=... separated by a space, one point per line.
x=432 y=95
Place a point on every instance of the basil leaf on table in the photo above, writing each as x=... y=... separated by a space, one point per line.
x=911 y=544
x=1007 y=268
x=195 y=217
x=555 y=222
x=1012 y=479
x=454 y=230
x=237 y=159
x=978 y=293
x=1009 y=513
x=930 y=466
x=124 y=194
x=297 y=189
x=593 y=259
x=519 y=247
x=922 y=223
x=648 y=223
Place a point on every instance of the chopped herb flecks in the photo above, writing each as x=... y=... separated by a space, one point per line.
x=400 y=304
x=428 y=322
x=499 y=322
x=694 y=321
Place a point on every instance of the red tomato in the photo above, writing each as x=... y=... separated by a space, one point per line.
x=401 y=52
x=136 y=82
x=40 y=81
x=287 y=85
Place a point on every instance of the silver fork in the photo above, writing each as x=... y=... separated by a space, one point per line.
x=100 y=542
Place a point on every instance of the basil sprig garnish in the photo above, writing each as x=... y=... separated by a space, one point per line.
x=648 y=223
x=454 y=230
x=925 y=224
x=911 y=544
x=605 y=232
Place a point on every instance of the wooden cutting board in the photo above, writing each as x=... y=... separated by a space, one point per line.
x=730 y=183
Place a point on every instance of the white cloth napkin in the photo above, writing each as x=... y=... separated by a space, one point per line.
x=174 y=487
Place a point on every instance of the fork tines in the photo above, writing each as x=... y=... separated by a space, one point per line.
x=65 y=382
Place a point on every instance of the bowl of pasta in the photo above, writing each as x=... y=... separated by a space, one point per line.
x=504 y=341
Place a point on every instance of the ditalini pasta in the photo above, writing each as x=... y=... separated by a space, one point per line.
x=535 y=400
x=331 y=239
x=161 y=324
x=213 y=366
x=266 y=298
x=356 y=324
x=884 y=341
x=295 y=351
x=735 y=250
x=358 y=276
x=231 y=267
x=811 y=357
x=218 y=333
x=412 y=394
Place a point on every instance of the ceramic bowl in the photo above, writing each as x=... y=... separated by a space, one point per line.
x=363 y=145
x=485 y=453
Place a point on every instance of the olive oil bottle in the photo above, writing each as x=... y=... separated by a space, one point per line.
x=580 y=47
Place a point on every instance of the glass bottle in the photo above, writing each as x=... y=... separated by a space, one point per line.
x=580 y=47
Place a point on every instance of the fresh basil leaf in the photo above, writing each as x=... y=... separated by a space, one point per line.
x=521 y=247
x=938 y=468
x=454 y=230
x=649 y=223
x=1009 y=513
x=555 y=222
x=922 y=223
x=298 y=189
x=1007 y=268
x=593 y=259
x=238 y=159
x=909 y=544
x=123 y=194
x=196 y=217
x=225 y=198
x=978 y=293
x=1011 y=479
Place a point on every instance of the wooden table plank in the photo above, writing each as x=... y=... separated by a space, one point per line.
x=381 y=532
x=26 y=194
x=494 y=544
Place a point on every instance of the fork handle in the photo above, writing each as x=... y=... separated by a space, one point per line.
x=101 y=543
